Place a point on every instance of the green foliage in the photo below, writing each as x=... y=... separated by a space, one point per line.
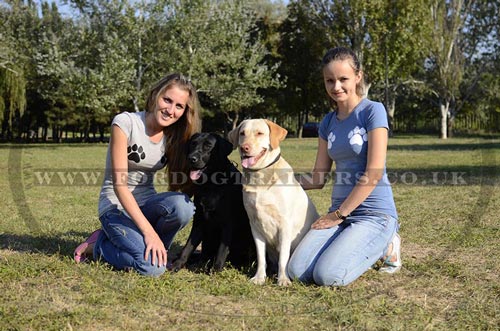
x=463 y=30
x=12 y=92
x=388 y=36
x=217 y=44
x=13 y=79
x=248 y=58
x=301 y=51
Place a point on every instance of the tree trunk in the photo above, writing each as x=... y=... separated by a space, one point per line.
x=366 y=90
x=451 y=122
x=101 y=133
x=139 y=72
x=55 y=133
x=444 y=106
x=135 y=102
x=235 y=120
x=300 y=123
x=391 y=109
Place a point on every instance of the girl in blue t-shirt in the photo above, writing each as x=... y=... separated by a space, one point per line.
x=361 y=224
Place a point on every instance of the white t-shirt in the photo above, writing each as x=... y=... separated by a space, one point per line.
x=144 y=159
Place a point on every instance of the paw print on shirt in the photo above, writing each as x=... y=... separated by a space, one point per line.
x=331 y=139
x=136 y=153
x=357 y=137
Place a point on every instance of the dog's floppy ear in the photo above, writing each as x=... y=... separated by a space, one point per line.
x=225 y=147
x=277 y=134
x=232 y=136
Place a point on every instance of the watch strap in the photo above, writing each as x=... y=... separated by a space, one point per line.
x=339 y=215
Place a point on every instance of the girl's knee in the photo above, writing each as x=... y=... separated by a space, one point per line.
x=147 y=269
x=298 y=269
x=182 y=207
x=293 y=270
x=329 y=277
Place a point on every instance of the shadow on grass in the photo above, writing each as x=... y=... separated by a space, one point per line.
x=50 y=245
x=53 y=244
x=49 y=146
x=199 y=264
x=446 y=175
x=484 y=145
x=40 y=243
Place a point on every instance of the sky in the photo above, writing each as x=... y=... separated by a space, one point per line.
x=65 y=9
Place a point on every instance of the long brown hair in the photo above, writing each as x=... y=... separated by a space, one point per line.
x=177 y=134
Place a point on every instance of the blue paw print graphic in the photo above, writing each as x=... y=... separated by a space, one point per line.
x=136 y=153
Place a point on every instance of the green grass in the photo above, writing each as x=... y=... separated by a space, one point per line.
x=450 y=251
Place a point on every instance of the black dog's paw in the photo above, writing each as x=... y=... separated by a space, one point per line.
x=176 y=265
x=136 y=153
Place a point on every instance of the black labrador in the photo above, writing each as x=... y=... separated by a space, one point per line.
x=220 y=222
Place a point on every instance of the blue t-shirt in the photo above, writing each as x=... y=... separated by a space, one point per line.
x=348 y=147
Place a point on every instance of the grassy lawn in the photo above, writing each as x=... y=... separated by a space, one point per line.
x=448 y=198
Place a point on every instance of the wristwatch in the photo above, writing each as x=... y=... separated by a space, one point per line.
x=339 y=215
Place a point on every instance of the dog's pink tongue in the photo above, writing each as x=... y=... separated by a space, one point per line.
x=195 y=174
x=248 y=162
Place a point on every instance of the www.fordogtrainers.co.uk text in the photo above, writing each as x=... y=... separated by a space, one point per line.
x=92 y=177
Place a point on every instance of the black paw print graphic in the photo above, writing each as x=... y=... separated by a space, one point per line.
x=135 y=153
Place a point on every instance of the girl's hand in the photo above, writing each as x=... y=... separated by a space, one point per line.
x=325 y=222
x=155 y=246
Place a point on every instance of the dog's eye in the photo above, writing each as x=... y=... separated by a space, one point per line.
x=260 y=133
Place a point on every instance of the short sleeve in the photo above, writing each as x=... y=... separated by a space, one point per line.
x=124 y=122
x=376 y=117
x=323 y=126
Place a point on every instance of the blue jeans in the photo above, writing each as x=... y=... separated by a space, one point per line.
x=339 y=255
x=122 y=244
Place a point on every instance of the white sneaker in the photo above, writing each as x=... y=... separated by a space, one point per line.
x=389 y=266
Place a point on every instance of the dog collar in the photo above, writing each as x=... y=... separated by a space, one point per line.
x=270 y=164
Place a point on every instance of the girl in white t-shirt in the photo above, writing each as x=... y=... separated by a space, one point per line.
x=139 y=224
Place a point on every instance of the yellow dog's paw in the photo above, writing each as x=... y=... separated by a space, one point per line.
x=258 y=280
x=284 y=281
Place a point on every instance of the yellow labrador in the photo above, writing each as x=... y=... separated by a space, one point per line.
x=279 y=210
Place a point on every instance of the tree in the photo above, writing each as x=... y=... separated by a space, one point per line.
x=301 y=48
x=214 y=42
x=103 y=75
x=270 y=16
x=12 y=88
x=51 y=64
x=446 y=59
x=396 y=49
x=387 y=35
x=480 y=90
x=14 y=20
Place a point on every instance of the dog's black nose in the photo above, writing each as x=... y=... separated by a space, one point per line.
x=193 y=158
